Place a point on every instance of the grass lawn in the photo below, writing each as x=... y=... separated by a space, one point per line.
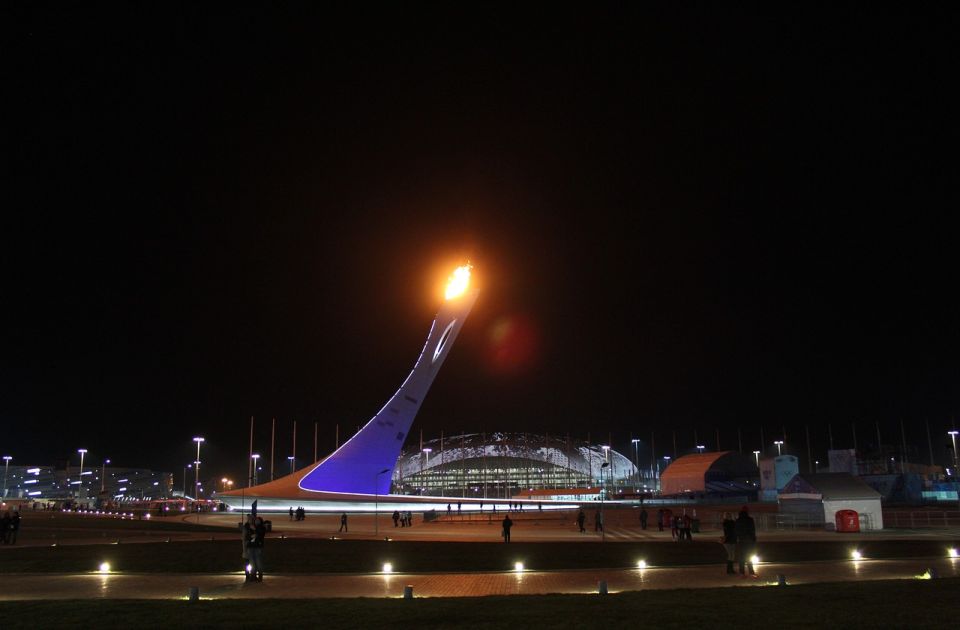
x=359 y=556
x=892 y=604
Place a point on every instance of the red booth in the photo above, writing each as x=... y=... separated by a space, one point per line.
x=848 y=521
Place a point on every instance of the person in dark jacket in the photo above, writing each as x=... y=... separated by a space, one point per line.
x=507 y=524
x=343 y=522
x=660 y=520
x=730 y=541
x=581 y=519
x=255 y=549
x=746 y=541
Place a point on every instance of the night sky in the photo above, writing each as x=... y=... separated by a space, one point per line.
x=680 y=219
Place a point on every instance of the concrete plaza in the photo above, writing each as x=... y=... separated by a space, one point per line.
x=528 y=582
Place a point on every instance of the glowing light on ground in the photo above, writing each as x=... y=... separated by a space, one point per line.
x=754 y=560
x=104 y=567
x=952 y=552
x=518 y=567
x=642 y=564
x=387 y=567
x=856 y=555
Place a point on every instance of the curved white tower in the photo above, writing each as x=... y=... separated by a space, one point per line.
x=364 y=463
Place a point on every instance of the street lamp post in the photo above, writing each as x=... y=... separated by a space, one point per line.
x=953 y=438
x=426 y=457
x=82 y=452
x=779 y=444
x=103 y=475
x=291 y=459
x=603 y=527
x=196 y=471
x=6 y=467
x=756 y=455
x=376 y=502
x=255 y=457
x=185 y=468
x=636 y=462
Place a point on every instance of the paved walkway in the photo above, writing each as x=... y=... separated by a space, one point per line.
x=225 y=586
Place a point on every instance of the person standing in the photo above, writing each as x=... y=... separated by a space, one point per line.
x=660 y=520
x=343 y=522
x=746 y=541
x=507 y=524
x=729 y=541
x=685 y=526
x=291 y=513
x=5 y=527
x=597 y=525
x=396 y=517
x=581 y=519
x=248 y=531
x=643 y=518
x=449 y=510
x=255 y=549
x=14 y=527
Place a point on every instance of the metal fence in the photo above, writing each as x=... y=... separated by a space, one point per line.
x=923 y=519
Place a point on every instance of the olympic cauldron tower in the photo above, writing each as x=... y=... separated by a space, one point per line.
x=363 y=466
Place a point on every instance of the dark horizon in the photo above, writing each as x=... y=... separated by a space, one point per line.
x=680 y=219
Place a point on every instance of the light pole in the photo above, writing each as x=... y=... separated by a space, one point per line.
x=82 y=452
x=6 y=467
x=196 y=472
x=255 y=457
x=603 y=527
x=426 y=456
x=756 y=455
x=185 y=479
x=779 y=444
x=701 y=448
x=376 y=502
x=291 y=459
x=636 y=462
x=953 y=438
x=103 y=475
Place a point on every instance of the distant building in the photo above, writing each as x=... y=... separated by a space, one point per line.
x=775 y=472
x=506 y=465
x=723 y=472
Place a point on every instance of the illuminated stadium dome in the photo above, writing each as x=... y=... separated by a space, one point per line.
x=502 y=465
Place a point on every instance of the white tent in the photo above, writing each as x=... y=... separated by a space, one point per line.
x=826 y=494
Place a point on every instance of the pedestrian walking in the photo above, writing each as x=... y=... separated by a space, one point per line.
x=685 y=527
x=507 y=524
x=449 y=510
x=660 y=520
x=343 y=522
x=643 y=518
x=597 y=525
x=396 y=517
x=746 y=542
x=409 y=518
x=291 y=513
x=729 y=541
x=581 y=519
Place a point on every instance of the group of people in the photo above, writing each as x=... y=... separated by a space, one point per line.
x=254 y=533
x=740 y=542
x=10 y=527
x=405 y=519
x=681 y=526
x=298 y=514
